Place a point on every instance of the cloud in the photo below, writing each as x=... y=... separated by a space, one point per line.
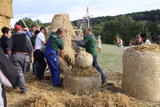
x=44 y=10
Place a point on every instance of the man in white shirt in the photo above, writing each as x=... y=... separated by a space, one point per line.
x=39 y=64
x=40 y=39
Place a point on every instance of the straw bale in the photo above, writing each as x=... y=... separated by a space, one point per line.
x=82 y=71
x=64 y=67
x=6 y=8
x=147 y=48
x=141 y=74
x=80 y=83
x=4 y=22
x=63 y=21
x=84 y=59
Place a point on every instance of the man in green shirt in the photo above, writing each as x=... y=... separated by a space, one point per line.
x=89 y=43
x=54 y=44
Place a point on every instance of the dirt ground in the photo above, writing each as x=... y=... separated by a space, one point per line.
x=43 y=94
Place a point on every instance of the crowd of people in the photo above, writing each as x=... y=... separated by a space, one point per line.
x=22 y=47
x=140 y=39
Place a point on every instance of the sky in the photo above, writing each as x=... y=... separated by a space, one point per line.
x=44 y=10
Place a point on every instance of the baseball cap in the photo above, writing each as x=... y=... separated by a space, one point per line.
x=17 y=27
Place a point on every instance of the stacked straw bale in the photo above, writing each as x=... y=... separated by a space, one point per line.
x=5 y=13
x=84 y=59
x=141 y=72
x=63 y=21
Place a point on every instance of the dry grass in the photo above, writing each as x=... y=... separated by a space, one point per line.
x=147 y=48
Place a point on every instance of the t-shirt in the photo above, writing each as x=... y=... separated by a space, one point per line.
x=39 y=39
x=55 y=42
x=90 y=44
x=147 y=41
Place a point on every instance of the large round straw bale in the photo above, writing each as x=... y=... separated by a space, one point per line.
x=84 y=59
x=64 y=67
x=141 y=74
x=63 y=21
x=80 y=83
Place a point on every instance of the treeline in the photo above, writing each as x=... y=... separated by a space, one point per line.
x=126 y=26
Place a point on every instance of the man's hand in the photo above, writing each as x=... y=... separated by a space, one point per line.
x=62 y=54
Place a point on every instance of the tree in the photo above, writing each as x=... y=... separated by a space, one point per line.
x=29 y=22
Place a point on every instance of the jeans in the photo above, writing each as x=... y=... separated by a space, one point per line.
x=95 y=64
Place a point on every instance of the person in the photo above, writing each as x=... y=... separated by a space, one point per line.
x=4 y=39
x=138 y=40
x=19 y=51
x=8 y=77
x=89 y=43
x=54 y=44
x=33 y=38
x=144 y=39
x=99 y=44
x=39 y=58
x=30 y=32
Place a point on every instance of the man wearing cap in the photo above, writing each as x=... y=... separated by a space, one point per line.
x=54 y=44
x=20 y=50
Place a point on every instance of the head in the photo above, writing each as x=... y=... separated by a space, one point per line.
x=138 y=39
x=43 y=30
x=33 y=28
x=36 y=32
x=144 y=36
x=60 y=32
x=18 y=28
x=89 y=31
x=6 y=31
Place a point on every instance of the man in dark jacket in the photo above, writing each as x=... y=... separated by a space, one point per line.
x=20 y=50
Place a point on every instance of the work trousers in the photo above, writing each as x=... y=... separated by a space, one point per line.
x=53 y=63
x=20 y=61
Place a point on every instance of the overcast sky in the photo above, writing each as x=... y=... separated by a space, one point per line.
x=44 y=10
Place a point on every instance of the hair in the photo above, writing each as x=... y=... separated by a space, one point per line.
x=33 y=26
x=144 y=35
x=42 y=28
x=90 y=29
x=36 y=32
x=59 y=31
x=5 y=30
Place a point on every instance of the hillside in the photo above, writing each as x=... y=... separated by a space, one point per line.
x=152 y=16
x=126 y=26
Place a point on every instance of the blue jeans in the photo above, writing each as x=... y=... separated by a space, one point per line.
x=53 y=63
x=95 y=64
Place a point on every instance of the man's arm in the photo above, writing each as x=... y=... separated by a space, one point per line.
x=30 y=48
x=81 y=43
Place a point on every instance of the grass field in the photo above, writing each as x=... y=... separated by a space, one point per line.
x=111 y=58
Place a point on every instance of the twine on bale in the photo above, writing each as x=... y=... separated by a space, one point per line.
x=141 y=72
